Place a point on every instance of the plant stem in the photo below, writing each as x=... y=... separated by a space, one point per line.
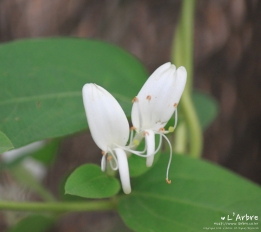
x=182 y=49
x=194 y=127
x=60 y=207
x=180 y=140
x=182 y=54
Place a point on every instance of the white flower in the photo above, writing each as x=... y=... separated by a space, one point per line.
x=109 y=128
x=155 y=104
x=37 y=169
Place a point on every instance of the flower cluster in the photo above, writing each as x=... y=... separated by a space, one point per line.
x=152 y=108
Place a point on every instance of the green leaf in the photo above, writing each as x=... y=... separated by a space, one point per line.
x=137 y=165
x=5 y=143
x=46 y=155
x=206 y=108
x=199 y=195
x=35 y=223
x=89 y=181
x=66 y=197
x=41 y=82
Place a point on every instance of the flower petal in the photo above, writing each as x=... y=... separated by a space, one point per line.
x=150 y=145
x=123 y=170
x=103 y=163
x=106 y=119
x=159 y=97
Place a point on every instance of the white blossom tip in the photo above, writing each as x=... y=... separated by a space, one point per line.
x=182 y=72
x=106 y=119
x=164 y=66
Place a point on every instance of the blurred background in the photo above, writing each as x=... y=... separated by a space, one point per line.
x=227 y=65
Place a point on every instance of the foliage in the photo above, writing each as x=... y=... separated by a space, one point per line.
x=89 y=181
x=199 y=195
x=5 y=143
x=41 y=82
x=40 y=99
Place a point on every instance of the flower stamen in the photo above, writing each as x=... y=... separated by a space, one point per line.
x=176 y=118
x=162 y=129
x=148 y=97
x=146 y=133
x=115 y=160
x=170 y=158
x=135 y=99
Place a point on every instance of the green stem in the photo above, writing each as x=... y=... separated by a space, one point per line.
x=182 y=54
x=182 y=49
x=193 y=125
x=180 y=142
x=60 y=207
